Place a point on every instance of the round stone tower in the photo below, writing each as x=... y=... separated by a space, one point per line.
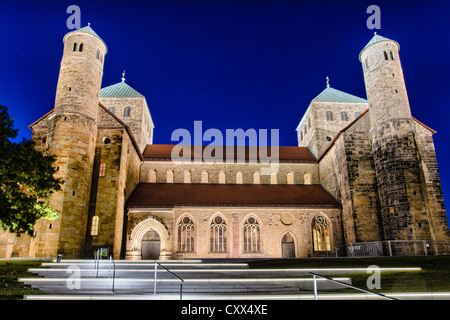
x=398 y=167
x=71 y=138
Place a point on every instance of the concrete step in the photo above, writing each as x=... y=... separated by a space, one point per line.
x=121 y=264
x=243 y=297
x=66 y=286
x=212 y=277
x=131 y=272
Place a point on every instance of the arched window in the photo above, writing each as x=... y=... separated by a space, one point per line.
x=344 y=116
x=74 y=46
x=273 y=178
x=187 y=176
x=309 y=123
x=321 y=234
x=204 y=177
x=112 y=109
x=367 y=63
x=81 y=47
x=357 y=114
x=102 y=170
x=98 y=54
x=186 y=236
x=221 y=177
x=301 y=135
x=239 y=177
x=169 y=178
x=307 y=178
x=329 y=116
x=290 y=178
x=152 y=175
x=126 y=112
x=218 y=235
x=306 y=130
x=256 y=178
x=386 y=57
x=94 y=227
x=392 y=55
x=252 y=235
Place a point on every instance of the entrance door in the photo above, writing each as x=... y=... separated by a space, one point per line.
x=288 y=246
x=151 y=245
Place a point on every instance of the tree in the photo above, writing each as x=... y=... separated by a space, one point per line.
x=26 y=180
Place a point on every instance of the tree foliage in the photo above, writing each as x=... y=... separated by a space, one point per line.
x=26 y=180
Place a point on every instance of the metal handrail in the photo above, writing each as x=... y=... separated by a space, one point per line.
x=114 y=272
x=179 y=278
x=344 y=284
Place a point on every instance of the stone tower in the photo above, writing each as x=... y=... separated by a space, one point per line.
x=71 y=136
x=408 y=203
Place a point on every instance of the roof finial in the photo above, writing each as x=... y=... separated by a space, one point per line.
x=123 y=76
x=89 y=24
x=328 y=82
x=375 y=33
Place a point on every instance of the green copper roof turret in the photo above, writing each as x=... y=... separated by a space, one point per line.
x=377 y=38
x=87 y=30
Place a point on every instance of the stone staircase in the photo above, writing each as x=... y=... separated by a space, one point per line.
x=77 y=278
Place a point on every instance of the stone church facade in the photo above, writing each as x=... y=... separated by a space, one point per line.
x=363 y=170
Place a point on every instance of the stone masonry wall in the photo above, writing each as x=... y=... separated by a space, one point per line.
x=272 y=229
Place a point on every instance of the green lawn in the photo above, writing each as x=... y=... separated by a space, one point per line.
x=434 y=276
x=10 y=271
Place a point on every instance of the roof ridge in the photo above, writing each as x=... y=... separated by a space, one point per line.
x=120 y=90
x=335 y=95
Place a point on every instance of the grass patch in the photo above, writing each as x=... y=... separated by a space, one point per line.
x=10 y=271
x=434 y=276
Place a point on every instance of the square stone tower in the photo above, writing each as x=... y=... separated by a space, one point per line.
x=328 y=113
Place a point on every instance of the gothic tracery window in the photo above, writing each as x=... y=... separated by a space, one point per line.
x=321 y=234
x=252 y=235
x=186 y=236
x=218 y=235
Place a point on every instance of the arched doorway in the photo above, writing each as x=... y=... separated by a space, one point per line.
x=134 y=243
x=151 y=245
x=288 y=246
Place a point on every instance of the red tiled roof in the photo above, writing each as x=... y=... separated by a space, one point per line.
x=183 y=194
x=286 y=154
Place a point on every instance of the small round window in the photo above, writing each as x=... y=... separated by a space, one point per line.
x=329 y=138
x=106 y=140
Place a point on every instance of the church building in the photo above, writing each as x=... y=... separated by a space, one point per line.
x=363 y=171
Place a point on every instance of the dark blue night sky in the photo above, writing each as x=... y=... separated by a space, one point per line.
x=231 y=64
